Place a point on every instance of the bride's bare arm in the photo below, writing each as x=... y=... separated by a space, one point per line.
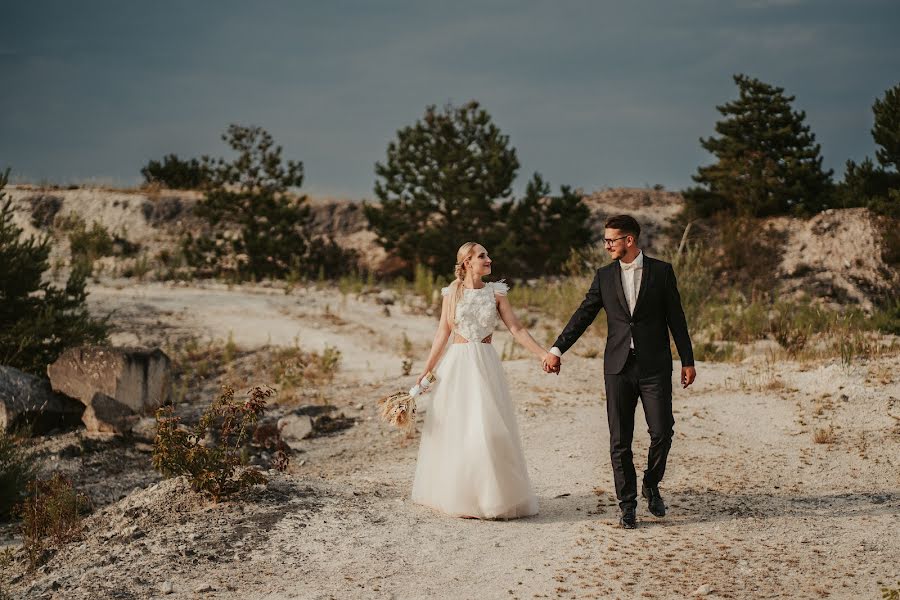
x=516 y=328
x=440 y=340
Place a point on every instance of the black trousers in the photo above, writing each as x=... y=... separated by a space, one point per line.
x=622 y=393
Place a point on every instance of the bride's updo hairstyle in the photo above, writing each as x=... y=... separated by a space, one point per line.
x=456 y=287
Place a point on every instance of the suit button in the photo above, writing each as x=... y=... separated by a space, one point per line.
x=631 y=323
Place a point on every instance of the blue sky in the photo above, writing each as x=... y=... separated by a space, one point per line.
x=591 y=94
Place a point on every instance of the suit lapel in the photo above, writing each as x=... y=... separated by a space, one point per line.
x=620 y=291
x=646 y=275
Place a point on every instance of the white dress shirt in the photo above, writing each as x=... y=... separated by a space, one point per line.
x=631 y=285
x=631 y=281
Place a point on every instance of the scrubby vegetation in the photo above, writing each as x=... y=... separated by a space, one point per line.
x=17 y=471
x=177 y=174
x=51 y=515
x=213 y=467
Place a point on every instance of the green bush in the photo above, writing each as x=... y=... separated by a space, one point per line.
x=17 y=471
x=177 y=174
x=211 y=468
x=37 y=320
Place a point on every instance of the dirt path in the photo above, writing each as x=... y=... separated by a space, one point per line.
x=757 y=508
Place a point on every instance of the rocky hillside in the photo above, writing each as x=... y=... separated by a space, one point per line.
x=835 y=255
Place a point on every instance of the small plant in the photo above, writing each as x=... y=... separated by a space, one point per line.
x=16 y=474
x=51 y=515
x=825 y=436
x=891 y=593
x=406 y=351
x=211 y=468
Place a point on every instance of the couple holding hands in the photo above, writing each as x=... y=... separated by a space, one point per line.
x=470 y=461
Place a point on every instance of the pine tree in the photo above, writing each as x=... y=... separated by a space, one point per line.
x=440 y=184
x=886 y=131
x=767 y=161
x=542 y=230
x=877 y=186
x=259 y=228
x=38 y=321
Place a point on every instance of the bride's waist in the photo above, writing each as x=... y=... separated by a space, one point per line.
x=458 y=339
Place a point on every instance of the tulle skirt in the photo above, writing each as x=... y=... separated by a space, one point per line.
x=470 y=456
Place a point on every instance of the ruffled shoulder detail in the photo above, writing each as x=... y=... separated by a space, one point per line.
x=500 y=287
x=445 y=291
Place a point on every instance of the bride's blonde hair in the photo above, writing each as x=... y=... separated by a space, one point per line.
x=456 y=287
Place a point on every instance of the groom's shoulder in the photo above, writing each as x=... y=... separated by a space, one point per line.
x=657 y=262
x=605 y=269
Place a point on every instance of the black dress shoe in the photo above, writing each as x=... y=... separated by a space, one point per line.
x=654 y=500
x=628 y=520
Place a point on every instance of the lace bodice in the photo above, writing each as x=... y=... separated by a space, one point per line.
x=476 y=311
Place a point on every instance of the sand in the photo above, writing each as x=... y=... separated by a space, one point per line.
x=757 y=508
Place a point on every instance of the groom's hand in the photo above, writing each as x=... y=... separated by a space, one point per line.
x=688 y=374
x=551 y=363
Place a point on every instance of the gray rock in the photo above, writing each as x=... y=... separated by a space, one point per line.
x=145 y=429
x=203 y=587
x=166 y=587
x=29 y=400
x=295 y=427
x=703 y=590
x=386 y=297
x=107 y=415
x=138 y=378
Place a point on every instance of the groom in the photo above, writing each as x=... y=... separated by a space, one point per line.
x=642 y=305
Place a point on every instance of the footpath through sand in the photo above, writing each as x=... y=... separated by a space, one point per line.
x=757 y=508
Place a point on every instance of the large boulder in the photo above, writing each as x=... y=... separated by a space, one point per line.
x=26 y=400
x=107 y=415
x=139 y=378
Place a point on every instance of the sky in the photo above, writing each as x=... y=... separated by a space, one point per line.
x=592 y=94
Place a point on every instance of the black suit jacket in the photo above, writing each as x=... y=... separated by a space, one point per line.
x=656 y=312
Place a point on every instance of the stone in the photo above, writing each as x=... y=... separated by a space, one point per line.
x=703 y=590
x=107 y=415
x=386 y=297
x=145 y=429
x=294 y=427
x=166 y=587
x=27 y=400
x=136 y=377
x=203 y=587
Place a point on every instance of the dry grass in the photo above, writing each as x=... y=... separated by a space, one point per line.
x=825 y=436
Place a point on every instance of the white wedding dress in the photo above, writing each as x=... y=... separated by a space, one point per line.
x=470 y=457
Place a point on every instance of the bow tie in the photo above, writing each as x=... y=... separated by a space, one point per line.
x=630 y=266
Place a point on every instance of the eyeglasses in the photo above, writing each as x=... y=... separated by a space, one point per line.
x=609 y=242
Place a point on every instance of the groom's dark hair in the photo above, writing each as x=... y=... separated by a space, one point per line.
x=625 y=224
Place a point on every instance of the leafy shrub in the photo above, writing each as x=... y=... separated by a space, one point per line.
x=38 y=321
x=52 y=514
x=177 y=174
x=16 y=473
x=211 y=468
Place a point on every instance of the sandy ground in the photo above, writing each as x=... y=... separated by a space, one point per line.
x=757 y=509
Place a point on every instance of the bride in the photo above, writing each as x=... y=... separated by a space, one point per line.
x=470 y=458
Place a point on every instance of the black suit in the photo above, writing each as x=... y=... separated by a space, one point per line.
x=645 y=372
